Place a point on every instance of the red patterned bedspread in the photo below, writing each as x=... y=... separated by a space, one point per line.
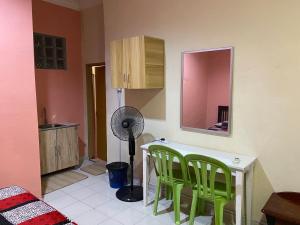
x=18 y=206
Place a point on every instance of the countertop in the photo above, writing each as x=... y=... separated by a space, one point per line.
x=64 y=125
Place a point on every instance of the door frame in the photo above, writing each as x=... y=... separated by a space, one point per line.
x=90 y=138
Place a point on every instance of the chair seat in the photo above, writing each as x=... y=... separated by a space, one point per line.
x=220 y=190
x=170 y=182
x=177 y=177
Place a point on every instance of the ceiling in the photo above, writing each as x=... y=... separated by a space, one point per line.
x=75 y=4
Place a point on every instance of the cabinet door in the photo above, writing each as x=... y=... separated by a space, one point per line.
x=154 y=62
x=136 y=62
x=67 y=147
x=48 y=151
x=146 y=63
x=118 y=64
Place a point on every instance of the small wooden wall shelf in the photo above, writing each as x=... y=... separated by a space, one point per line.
x=138 y=63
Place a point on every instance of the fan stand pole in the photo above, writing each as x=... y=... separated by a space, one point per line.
x=131 y=153
x=131 y=193
x=131 y=167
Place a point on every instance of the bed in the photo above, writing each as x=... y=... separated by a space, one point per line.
x=18 y=206
x=222 y=123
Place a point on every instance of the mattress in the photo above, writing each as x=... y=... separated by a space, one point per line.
x=18 y=206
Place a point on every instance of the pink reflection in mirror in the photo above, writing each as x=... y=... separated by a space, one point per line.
x=206 y=90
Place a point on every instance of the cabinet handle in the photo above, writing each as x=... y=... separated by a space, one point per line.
x=124 y=78
x=127 y=78
x=56 y=157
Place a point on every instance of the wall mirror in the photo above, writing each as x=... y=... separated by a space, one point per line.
x=206 y=91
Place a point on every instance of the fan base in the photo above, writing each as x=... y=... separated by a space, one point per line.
x=126 y=195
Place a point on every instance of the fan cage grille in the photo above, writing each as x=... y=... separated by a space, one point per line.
x=127 y=113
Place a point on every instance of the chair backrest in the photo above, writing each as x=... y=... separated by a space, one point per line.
x=164 y=161
x=205 y=169
x=222 y=113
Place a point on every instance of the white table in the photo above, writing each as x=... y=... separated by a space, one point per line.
x=242 y=170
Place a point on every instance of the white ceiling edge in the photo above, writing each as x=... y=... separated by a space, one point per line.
x=85 y=4
x=75 y=4
x=71 y=4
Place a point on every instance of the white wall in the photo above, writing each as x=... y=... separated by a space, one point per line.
x=92 y=24
x=266 y=40
x=92 y=29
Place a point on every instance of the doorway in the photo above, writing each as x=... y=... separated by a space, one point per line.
x=96 y=111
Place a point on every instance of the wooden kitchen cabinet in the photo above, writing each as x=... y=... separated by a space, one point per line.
x=67 y=148
x=48 y=151
x=58 y=149
x=138 y=63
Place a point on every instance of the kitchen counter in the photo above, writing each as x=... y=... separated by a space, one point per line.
x=59 y=147
x=58 y=126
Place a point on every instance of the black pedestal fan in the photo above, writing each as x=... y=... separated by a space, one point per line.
x=127 y=124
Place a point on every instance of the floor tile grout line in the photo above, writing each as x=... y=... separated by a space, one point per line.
x=109 y=195
x=138 y=221
x=70 y=195
x=92 y=206
x=92 y=210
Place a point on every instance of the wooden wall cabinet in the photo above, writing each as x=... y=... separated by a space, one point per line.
x=138 y=63
x=58 y=149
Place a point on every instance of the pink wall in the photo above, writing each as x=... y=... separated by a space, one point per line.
x=61 y=91
x=194 y=96
x=206 y=85
x=218 y=85
x=20 y=161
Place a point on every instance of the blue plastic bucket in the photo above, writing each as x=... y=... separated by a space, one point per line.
x=117 y=172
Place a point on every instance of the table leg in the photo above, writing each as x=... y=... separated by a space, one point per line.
x=249 y=191
x=145 y=177
x=239 y=195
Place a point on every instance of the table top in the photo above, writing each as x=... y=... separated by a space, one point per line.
x=235 y=161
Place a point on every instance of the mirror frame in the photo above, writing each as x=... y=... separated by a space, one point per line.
x=200 y=130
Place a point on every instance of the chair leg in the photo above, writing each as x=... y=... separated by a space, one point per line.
x=168 y=193
x=219 y=208
x=176 y=200
x=156 y=197
x=201 y=207
x=193 y=207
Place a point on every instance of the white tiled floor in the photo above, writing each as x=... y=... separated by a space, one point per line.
x=93 y=202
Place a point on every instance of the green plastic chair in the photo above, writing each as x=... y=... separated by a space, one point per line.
x=164 y=160
x=206 y=188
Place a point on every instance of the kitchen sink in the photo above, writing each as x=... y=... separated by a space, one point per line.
x=45 y=126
